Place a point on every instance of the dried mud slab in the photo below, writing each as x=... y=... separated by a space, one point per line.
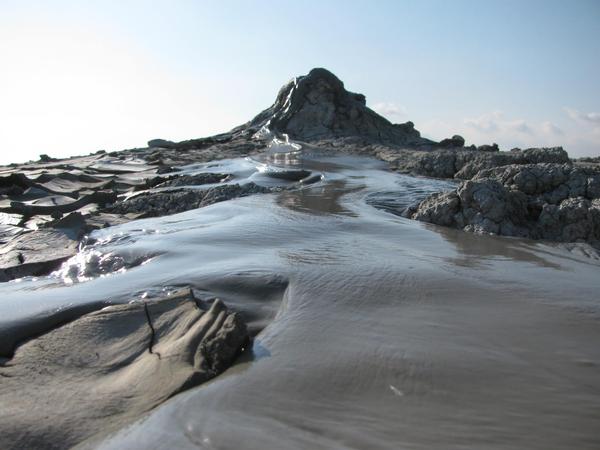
x=35 y=253
x=108 y=367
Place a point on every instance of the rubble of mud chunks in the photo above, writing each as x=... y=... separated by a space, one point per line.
x=47 y=207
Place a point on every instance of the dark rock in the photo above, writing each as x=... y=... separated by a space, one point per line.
x=556 y=202
x=464 y=164
x=165 y=169
x=317 y=106
x=161 y=143
x=488 y=148
x=46 y=158
x=154 y=204
x=16 y=179
x=455 y=141
x=290 y=175
x=12 y=191
x=154 y=157
x=194 y=180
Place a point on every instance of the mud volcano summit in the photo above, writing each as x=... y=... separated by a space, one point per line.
x=317 y=107
x=317 y=277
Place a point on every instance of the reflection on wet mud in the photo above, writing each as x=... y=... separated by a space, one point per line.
x=477 y=251
x=324 y=199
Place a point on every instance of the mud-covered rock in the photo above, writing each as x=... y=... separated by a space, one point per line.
x=488 y=148
x=160 y=143
x=557 y=202
x=487 y=160
x=35 y=253
x=317 y=106
x=464 y=164
x=455 y=141
x=162 y=203
x=193 y=180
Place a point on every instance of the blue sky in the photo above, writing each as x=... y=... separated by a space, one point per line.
x=81 y=76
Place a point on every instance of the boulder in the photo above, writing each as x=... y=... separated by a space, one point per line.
x=455 y=141
x=160 y=143
x=488 y=148
x=46 y=158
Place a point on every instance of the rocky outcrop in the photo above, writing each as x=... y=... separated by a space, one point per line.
x=108 y=367
x=464 y=164
x=556 y=202
x=317 y=107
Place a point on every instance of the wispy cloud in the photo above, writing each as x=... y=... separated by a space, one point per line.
x=520 y=126
x=495 y=121
x=591 y=117
x=486 y=123
x=580 y=137
x=551 y=129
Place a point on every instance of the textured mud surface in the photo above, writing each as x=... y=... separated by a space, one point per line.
x=108 y=367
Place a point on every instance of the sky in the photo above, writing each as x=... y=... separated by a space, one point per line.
x=80 y=76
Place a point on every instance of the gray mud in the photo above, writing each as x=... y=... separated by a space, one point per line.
x=371 y=330
x=108 y=367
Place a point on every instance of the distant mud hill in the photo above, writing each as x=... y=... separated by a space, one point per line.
x=317 y=106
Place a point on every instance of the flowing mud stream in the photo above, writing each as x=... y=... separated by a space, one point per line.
x=371 y=330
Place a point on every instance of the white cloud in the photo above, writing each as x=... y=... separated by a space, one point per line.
x=578 y=138
x=496 y=122
x=519 y=126
x=591 y=117
x=486 y=123
x=549 y=128
x=390 y=110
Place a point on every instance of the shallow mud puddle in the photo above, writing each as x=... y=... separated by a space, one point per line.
x=372 y=331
